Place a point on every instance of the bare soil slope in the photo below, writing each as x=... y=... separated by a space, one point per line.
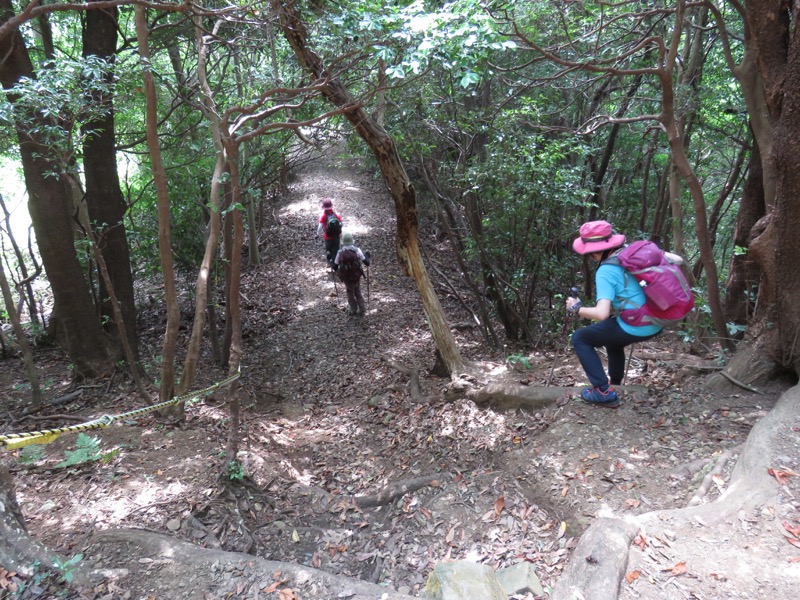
x=345 y=474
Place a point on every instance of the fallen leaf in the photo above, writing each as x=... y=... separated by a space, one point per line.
x=793 y=541
x=562 y=529
x=793 y=529
x=632 y=503
x=274 y=586
x=679 y=569
x=781 y=476
x=499 y=504
x=564 y=491
x=795 y=559
x=632 y=576
x=450 y=535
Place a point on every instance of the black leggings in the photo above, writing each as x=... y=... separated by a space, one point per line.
x=331 y=248
x=606 y=333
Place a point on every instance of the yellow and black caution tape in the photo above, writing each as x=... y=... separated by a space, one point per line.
x=12 y=441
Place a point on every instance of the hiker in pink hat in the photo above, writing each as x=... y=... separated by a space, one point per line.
x=614 y=289
x=329 y=226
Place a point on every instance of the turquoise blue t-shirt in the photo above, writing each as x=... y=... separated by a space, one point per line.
x=612 y=284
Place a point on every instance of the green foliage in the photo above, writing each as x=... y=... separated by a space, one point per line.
x=236 y=471
x=87 y=449
x=519 y=359
x=55 y=103
x=31 y=454
x=68 y=567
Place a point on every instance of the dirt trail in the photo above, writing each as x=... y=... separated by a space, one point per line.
x=327 y=420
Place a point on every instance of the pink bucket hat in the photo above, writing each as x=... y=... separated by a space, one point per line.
x=597 y=236
x=327 y=203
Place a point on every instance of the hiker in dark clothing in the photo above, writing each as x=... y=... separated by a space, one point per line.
x=330 y=226
x=348 y=265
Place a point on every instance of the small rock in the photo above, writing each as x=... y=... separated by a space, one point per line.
x=520 y=578
x=174 y=524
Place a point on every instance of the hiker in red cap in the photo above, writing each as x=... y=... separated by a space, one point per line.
x=614 y=289
x=330 y=226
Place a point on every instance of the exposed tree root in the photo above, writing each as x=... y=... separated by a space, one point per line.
x=719 y=467
x=19 y=552
x=133 y=549
x=750 y=366
x=413 y=384
x=512 y=396
x=735 y=381
x=596 y=573
x=397 y=489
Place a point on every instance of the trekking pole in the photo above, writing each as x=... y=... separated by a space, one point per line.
x=628 y=366
x=367 y=287
x=573 y=293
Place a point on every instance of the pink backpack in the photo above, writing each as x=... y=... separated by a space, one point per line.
x=669 y=297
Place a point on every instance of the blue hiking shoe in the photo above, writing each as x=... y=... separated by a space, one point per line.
x=609 y=398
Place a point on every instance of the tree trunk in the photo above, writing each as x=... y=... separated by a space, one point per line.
x=773 y=336
x=22 y=339
x=19 y=552
x=233 y=309
x=49 y=205
x=104 y=198
x=395 y=176
x=676 y=144
x=168 y=350
x=743 y=280
x=202 y=287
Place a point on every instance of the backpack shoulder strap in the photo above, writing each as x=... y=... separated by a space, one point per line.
x=613 y=258
x=624 y=304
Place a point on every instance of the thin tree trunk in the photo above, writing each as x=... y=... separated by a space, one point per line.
x=676 y=144
x=25 y=288
x=168 y=351
x=202 y=287
x=233 y=314
x=22 y=339
x=395 y=176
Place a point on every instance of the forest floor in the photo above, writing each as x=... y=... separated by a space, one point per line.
x=327 y=421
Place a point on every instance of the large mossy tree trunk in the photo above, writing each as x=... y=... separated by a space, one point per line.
x=773 y=340
x=74 y=320
x=104 y=199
